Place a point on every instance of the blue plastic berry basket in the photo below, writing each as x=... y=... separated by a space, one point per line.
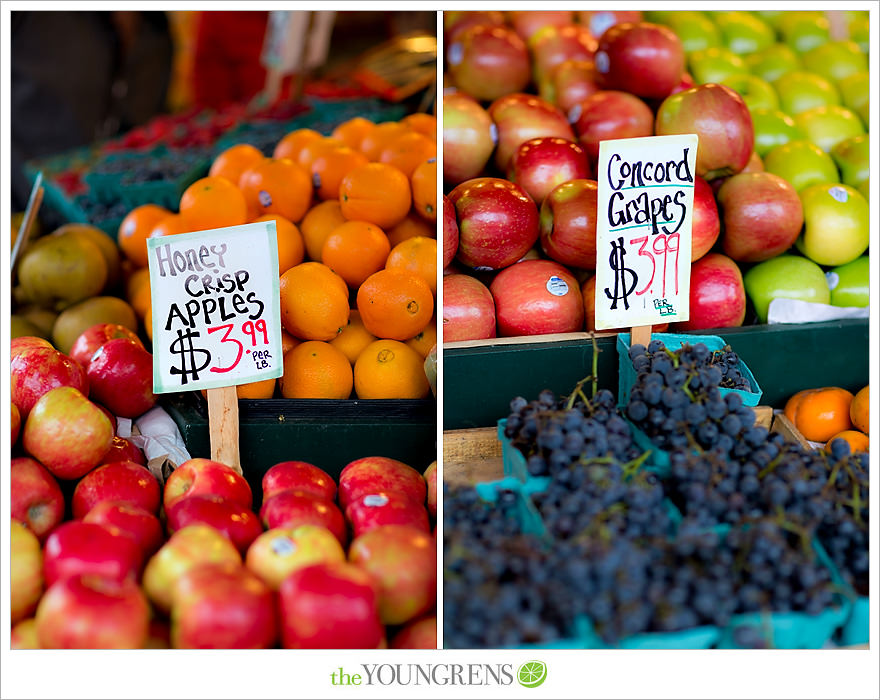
x=529 y=520
x=703 y=637
x=627 y=375
x=855 y=629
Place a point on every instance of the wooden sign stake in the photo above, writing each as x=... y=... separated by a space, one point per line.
x=223 y=426
x=640 y=335
x=30 y=215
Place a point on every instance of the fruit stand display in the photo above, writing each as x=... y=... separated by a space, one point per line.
x=600 y=493
x=129 y=534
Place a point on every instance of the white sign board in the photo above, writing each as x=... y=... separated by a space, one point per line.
x=216 y=308
x=643 y=230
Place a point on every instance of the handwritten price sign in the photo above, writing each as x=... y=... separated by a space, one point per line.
x=216 y=308
x=643 y=232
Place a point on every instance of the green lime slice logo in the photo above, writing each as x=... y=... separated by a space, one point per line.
x=531 y=674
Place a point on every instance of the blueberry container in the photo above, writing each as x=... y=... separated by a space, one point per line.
x=855 y=628
x=703 y=637
x=528 y=517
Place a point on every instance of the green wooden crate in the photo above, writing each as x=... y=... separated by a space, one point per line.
x=479 y=381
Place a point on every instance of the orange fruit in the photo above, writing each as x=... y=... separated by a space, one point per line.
x=352 y=131
x=411 y=226
x=822 y=413
x=425 y=339
x=329 y=167
x=858 y=410
x=171 y=225
x=395 y=304
x=858 y=441
x=375 y=192
x=213 y=202
x=137 y=291
x=260 y=389
x=313 y=149
x=318 y=223
x=424 y=189
x=791 y=406
x=407 y=151
x=135 y=229
x=417 y=255
x=277 y=186
x=232 y=162
x=288 y=342
x=354 y=337
x=388 y=369
x=355 y=250
x=314 y=301
x=421 y=122
x=291 y=249
x=316 y=370
x=291 y=144
x=380 y=136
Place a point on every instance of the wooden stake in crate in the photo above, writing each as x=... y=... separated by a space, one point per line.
x=30 y=215
x=223 y=426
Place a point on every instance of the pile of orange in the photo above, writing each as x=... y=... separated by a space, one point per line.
x=355 y=214
x=829 y=413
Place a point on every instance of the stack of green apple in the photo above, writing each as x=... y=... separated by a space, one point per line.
x=808 y=94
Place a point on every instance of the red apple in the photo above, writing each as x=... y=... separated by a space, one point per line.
x=454 y=23
x=380 y=475
x=468 y=309
x=403 y=560
x=570 y=83
x=35 y=370
x=128 y=519
x=26 y=572
x=717 y=298
x=763 y=216
x=94 y=337
x=706 y=224
x=431 y=480
x=686 y=83
x=552 y=45
x=535 y=297
x=372 y=510
x=298 y=476
x=528 y=22
x=450 y=232
x=24 y=342
x=76 y=547
x=719 y=116
x=122 y=450
x=36 y=498
x=519 y=117
x=116 y=481
x=199 y=476
x=497 y=222
x=610 y=114
x=223 y=606
x=330 y=606
x=545 y=162
x=599 y=20
x=194 y=545
x=488 y=61
x=121 y=377
x=568 y=223
x=67 y=433
x=234 y=520
x=420 y=633
x=278 y=552
x=468 y=138
x=14 y=424
x=293 y=508
x=641 y=58
x=93 y=612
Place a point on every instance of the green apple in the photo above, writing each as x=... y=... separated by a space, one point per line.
x=855 y=92
x=743 y=32
x=829 y=125
x=835 y=224
x=804 y=30
x=836 y=60
x=771 y=17
x=801 y=90
x=853 y=157
x=756 y=92
x=773 y=62
x=773 y=128
x=850 y=283
x=714 y=65
x=865 y=189
x=801 y=163
x=858 y=30
x=785 y=277
x=694 y=29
